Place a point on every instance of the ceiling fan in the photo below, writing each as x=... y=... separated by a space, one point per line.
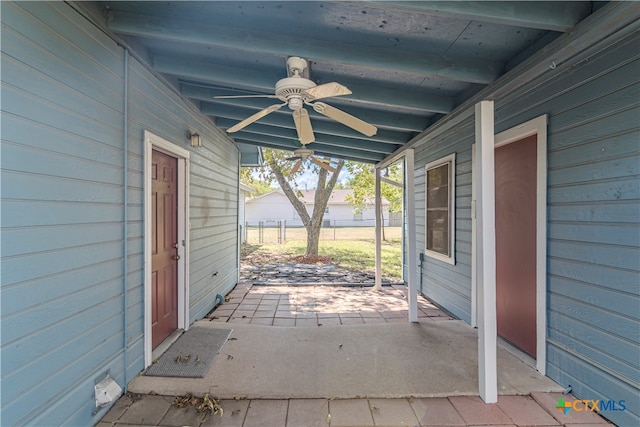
x=297 y=91
x=303 y=153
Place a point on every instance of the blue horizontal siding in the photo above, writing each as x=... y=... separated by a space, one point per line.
x=19 y=241
x=595 y=284
x=611 y=146
x=583 y=340
x=623 y=167
x=616 y=256
x=620 y=234
x=625 y=327
x=63 y=208
x=624 y=188
x=593 y=223
x=449 y=285
x=620 y=212
x=49 y=163
x=62 y=32
x=623 y=304
x=53 y=92
x=83 y=367
x=30 y=107
x=58 y=358
x=593 y=217
x=568 y=87
x=18 y=407
x=596 y=129
x=32 y=293
x=52 y=314
x=50 y=139
x=590 y=380
x=27 y=186
x=213 y=191
x=26 y=213
x=585 y=272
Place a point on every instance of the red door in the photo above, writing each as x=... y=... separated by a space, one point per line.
x=515 y=179
x=164 y=263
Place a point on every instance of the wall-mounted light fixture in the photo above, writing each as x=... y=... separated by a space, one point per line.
x=195 y=139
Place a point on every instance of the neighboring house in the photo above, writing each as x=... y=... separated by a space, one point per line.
x=274 y=206
x=93 y=137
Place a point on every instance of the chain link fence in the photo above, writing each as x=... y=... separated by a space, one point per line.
x=279 y=232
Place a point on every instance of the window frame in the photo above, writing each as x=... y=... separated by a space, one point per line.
x=449 y=160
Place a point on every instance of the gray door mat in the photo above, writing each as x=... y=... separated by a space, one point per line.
x=191 y=355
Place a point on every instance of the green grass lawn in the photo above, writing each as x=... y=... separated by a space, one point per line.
x=354 y=249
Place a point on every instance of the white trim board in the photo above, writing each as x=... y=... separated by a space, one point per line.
x=154 y=142
x=486 y=266
x=412 y=250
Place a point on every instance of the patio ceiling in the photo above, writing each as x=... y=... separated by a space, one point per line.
x=408 y=64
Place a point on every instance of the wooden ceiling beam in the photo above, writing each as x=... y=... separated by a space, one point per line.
x=264 y=81
x=169 y=28
x=558 y=16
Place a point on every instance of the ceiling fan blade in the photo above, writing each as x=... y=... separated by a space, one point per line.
x=327 y=90
x=260 y=114
x=243 y=96
x=296 y=167
x=345 y=118
x=303 y=126
x=322 y=164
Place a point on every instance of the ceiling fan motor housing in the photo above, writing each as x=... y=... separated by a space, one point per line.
x=303 y=153
x=290 y=89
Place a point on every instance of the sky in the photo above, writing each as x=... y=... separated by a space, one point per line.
x=309 y=179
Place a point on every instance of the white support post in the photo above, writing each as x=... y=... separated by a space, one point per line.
x=474 y=239
x=486 y=274
x=378 y=206
x=412 y=255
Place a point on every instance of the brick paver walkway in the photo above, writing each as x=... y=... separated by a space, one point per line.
x=535 y=410
x=296 y=305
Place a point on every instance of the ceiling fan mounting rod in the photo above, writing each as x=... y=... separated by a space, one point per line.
x=296 y=65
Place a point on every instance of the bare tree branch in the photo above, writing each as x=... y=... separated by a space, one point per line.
x=312 y=223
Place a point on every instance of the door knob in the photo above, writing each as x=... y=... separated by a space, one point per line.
x=176 y=257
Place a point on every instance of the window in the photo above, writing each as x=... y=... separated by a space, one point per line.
x=440 y=209
x=357 y=216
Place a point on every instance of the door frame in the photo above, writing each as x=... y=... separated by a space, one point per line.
x=154 y=142
x=537 y=126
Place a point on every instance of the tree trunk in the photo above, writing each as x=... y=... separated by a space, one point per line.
x=312 y=223
x=313 y=240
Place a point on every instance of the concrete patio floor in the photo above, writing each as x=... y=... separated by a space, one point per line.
x=307 y=355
